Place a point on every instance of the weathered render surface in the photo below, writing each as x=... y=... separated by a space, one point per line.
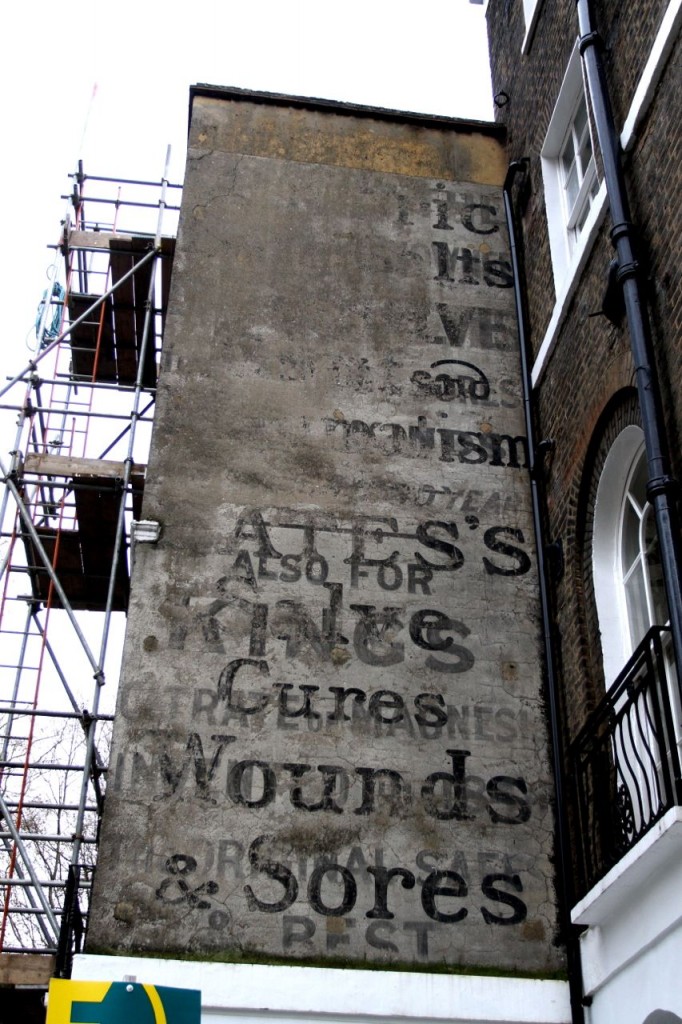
x=330 y=740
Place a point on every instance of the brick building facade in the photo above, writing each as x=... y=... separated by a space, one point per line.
x=585 y=403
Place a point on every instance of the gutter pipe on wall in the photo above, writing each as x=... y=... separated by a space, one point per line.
x=662 y=488
x=535 y=458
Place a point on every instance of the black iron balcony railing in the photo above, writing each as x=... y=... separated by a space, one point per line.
x=625 y=762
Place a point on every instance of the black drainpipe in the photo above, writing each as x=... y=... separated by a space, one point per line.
x=535 y=458
x=662 y=488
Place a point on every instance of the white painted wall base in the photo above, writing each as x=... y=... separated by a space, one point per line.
x=632 y=949
x=287 y=995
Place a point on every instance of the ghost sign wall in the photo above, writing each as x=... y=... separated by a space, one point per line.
x=330 y=741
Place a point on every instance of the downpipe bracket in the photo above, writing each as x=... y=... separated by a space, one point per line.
x=590 y=39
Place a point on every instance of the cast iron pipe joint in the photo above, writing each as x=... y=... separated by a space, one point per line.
x=623 y=229
x=626 y=270
x=662 y=485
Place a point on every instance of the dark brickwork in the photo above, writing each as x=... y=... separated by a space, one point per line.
x=655 y=182
x=585 y=395
x=532 y=85
x=628 y=31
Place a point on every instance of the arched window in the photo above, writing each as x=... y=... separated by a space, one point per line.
x=629 y=597
x=625 y=558
x=640 y=563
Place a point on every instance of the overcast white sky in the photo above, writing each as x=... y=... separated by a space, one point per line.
x=143 y=55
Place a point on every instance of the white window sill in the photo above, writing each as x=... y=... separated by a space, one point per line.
x=635 y=907
x=657 y=850
x=570 y=282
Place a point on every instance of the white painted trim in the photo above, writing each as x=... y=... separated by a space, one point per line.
x=609 y=592
x=660 y=51
x=647 y=991
x=651 y=75
x=635 y=907
x=234 y=991
x=562 y=116
x=531 y=22
x=650 y=856
x=580 y=257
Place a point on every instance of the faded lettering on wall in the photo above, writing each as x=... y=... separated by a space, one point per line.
x=332 y=727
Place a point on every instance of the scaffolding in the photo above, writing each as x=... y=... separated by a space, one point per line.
x=74 y=481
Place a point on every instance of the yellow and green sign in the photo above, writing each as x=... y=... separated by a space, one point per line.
x=120 y=1002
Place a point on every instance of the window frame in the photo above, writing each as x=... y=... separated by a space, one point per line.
x=586 y=177
x=568 y=229
x=637 y=564
x=619 y=510
x=609 y=591
x=621 y=629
